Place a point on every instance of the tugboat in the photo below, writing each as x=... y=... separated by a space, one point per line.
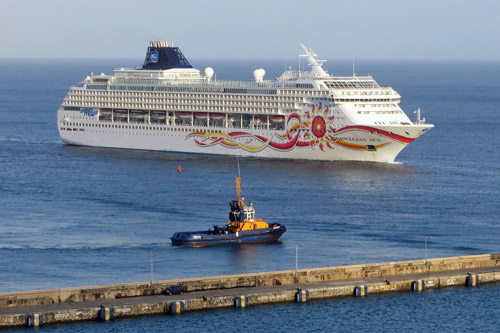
x=243 y=227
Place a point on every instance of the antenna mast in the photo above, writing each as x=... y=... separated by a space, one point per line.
x=313 y=62
x=238 y=160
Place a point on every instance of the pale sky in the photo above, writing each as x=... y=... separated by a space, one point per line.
x=257 y=29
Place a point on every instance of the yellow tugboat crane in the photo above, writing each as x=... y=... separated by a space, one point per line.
x=249 y=223
x=238 y=193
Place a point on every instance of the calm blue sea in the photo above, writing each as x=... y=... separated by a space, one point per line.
x=74 y=216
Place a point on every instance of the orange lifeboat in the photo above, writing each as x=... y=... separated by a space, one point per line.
x=201 y=115
x=277 y=119
x=184 y=115
x=217 y=116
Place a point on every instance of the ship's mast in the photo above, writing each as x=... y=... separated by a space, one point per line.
x=238 y=184
x=241 y=204
x=313 y=62
x=238 y=189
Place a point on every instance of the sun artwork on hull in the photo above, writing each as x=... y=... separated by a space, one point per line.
x=314 y=129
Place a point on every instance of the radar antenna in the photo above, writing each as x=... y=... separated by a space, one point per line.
x=353 y=72
x=313 y=62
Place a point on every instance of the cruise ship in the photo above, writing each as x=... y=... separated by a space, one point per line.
x=167 y=105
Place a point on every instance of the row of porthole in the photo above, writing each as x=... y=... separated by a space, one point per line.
x=186 y=129
x=150 y=134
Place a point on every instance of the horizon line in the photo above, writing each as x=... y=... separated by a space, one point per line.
x=248 y=59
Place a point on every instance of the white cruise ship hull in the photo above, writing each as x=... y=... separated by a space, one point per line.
x=356 y=143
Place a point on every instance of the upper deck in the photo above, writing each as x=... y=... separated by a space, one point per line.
x=165 y=66
x=132 y=79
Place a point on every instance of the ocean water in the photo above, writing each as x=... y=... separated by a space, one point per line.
x=75 y=216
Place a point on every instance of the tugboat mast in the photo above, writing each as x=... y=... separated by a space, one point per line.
x=238 y=190
x=238 y=187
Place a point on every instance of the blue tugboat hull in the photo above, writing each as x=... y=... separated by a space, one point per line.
x=210 y=237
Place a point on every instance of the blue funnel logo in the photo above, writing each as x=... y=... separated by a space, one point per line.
x=154 y=57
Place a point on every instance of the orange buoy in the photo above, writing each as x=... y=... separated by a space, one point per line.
x=179 y=169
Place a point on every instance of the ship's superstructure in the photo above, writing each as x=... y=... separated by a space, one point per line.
x=168 y=105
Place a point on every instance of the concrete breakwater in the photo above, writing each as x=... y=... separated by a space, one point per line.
x=133 y=299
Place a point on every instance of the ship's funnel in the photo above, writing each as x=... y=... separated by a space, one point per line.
x=163 y=55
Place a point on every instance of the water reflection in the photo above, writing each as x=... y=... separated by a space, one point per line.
x=363 y=172
x=259 y=256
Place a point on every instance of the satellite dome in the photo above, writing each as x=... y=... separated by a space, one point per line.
x=258 y=74
x=209 y=72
